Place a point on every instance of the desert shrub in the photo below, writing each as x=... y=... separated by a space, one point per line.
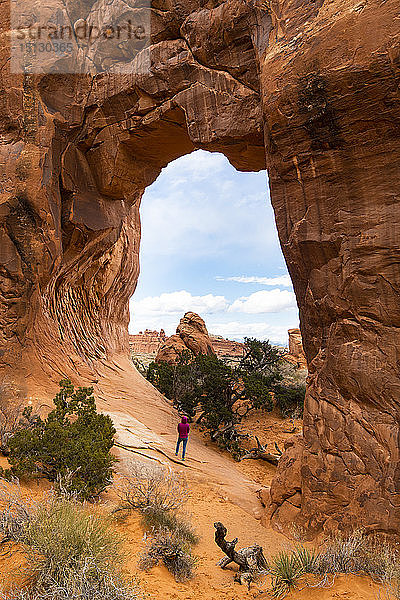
x=151 y=486
x=161 y=375
x=174 y=552
x=286 y=571
x=140 y=366
x=159 y=494
x=81 y=587
x=15 y=414
x=72 y=551
x=65 y=538
x=308 y=559
x=15 y=514
x=358 y=552
x=178 y=524
x=290 y=399
x=353 y=553
x=343 y=553
x=73 y=438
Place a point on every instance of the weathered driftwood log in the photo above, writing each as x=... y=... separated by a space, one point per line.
x=261 y=453
x=251 y=560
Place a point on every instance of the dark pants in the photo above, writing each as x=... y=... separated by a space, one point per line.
x=178 y=443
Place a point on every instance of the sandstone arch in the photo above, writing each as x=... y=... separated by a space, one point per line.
x=303 y=87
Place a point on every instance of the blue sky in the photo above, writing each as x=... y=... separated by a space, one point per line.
x=209 y=244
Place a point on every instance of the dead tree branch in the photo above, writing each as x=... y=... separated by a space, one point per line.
x=251 y=560
x=261 y=453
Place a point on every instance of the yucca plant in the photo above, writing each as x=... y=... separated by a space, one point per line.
x=286 y=571
x=307 y=559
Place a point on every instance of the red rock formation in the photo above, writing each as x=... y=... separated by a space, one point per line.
x=191 y=334
x=224 y=348
x=296 y=351
x=332 y=119
x=147 y=342
x=310 y=89
x=193 y=331
x=170 y=350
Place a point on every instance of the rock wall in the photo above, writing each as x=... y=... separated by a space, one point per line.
x=332 y=116
x=149 y=342
x=308 y=89
x=224 y=348
x=146 y=342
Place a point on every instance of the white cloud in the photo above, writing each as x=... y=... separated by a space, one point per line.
x=197 y=166
x=283 y=280
x=265 y=301
x=263 y=331
x=201 y=207
x=179 y=303
x=154 y=323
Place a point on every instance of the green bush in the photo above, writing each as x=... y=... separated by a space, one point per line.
x=74 y=438
x=290 y=399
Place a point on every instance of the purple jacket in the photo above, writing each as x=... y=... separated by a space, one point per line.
x=183 y=429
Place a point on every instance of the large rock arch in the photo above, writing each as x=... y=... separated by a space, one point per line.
x=304 y=88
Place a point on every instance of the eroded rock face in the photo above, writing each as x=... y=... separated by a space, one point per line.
x=225 y=348
x=310 y=90
x=147 y=342
x=191 y=334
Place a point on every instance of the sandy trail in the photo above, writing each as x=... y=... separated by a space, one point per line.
x=220 y=490
x=146 y=428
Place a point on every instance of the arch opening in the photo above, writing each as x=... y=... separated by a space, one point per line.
x=209 y=244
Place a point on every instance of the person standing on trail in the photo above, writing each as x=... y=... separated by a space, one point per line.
x=183 y=436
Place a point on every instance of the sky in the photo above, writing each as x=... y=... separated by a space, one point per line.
x=210 y=245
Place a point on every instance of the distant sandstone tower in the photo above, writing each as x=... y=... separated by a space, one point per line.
x=191 y=334
x=296 y=350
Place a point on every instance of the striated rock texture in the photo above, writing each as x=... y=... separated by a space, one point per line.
x=146 y=342
x=191 y=334
x=228 y=349
x=308 y=89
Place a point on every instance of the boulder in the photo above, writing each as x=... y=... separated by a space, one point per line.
x=191 y=334
x=170 y=350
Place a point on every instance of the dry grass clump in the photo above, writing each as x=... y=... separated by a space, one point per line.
x=355 y=553
x=179 y=524
x=358 y=552
x=159 y=494
x=72 y=551
x=173 y=551
x=344 y=554
x=151 y=486
x=80 y=588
